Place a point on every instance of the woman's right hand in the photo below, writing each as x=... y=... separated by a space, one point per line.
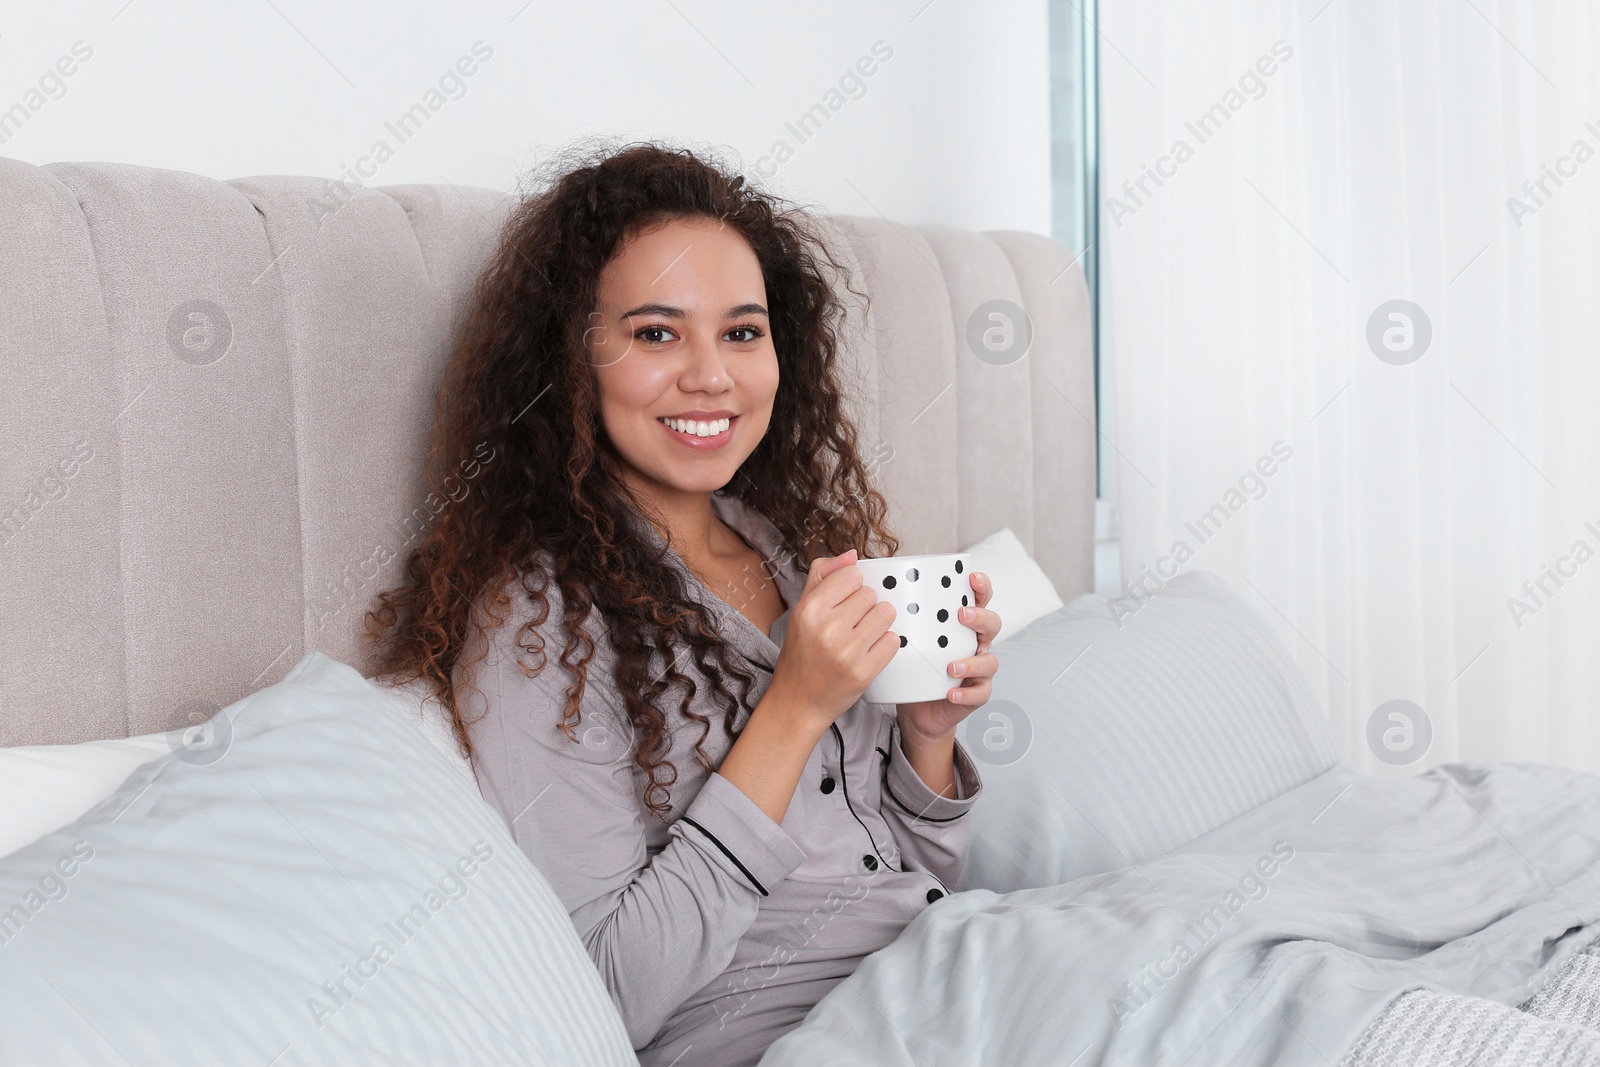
x=836 y=642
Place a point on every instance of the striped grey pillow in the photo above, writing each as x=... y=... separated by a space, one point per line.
x=1122 y=729
x=309 y=882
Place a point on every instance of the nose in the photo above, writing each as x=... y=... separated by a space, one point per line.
x=706 y=370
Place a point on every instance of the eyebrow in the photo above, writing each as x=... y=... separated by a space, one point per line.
x=671 y=312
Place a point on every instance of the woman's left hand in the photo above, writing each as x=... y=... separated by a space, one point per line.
x=937 y=719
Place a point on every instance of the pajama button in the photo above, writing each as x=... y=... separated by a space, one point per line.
x=933 y=895
x=871 y=862
x=827 y=785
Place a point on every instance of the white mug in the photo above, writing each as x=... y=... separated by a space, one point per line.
x=927 y=593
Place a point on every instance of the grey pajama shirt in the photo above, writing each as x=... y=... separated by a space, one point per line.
x=715 y=929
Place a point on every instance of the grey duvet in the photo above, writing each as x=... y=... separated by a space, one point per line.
x=1287 y=937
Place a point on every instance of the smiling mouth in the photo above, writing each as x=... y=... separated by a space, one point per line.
x=710 y=433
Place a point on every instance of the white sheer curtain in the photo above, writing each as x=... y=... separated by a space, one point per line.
x=1376 y=162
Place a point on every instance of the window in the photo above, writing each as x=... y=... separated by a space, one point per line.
x=1075 y=182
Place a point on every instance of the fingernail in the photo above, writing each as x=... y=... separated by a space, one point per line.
x=955 y=696
x=958 y=668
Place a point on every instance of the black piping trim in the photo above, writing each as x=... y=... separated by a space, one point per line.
x=725 y=851
x=845 y=785
x=901 y=804
x=914 y=815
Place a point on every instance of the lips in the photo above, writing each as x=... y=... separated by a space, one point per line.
x=713 y=442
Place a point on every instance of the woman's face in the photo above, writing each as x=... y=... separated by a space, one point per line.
x=681 y=331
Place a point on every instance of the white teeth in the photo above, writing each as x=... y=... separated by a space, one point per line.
x=698 y=429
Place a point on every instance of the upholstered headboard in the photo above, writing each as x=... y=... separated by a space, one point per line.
x=217 y=399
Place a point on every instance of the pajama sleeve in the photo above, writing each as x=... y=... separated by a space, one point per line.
x=660 y=925
x=934 y=831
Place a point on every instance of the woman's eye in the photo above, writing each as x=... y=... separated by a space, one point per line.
x=653 y=334
x=751 y=332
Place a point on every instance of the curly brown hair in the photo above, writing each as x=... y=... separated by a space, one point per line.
x=518 y=407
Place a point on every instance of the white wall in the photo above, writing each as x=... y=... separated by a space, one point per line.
x=952 y=127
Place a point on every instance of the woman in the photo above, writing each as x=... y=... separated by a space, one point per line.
x=658 y=491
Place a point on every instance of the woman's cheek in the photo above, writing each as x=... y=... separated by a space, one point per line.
x=762 y=389
x=638 y=381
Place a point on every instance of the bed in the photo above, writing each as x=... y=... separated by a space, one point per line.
x=228 y=844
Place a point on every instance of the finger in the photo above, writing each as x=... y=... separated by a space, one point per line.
x=838 y=587
x=868 y=614
x=986 y=622
x=824 y=567
x=971 y=694
x=982 y=588
x=876 y=621
x=983 y=665
x=858 y=607
x=885 y=647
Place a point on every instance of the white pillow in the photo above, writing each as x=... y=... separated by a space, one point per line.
x=1022 y=591
x=45 y=787
x=416 y=699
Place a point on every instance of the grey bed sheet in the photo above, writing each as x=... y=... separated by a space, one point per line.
x=1275 y=939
